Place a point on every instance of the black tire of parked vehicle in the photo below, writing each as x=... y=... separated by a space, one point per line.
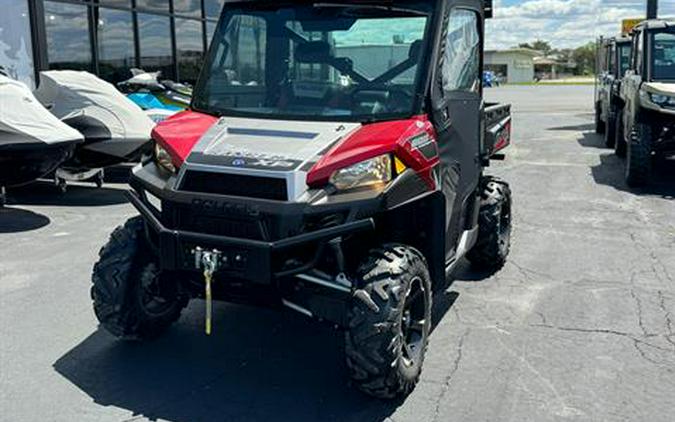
x=639 y=161
x=494 y=226
x=610 y=130
x=620 y=143
x=599 y=124
x=133 y=300
x=389 y=322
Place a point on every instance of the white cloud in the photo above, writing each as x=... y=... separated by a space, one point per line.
x=563 y=23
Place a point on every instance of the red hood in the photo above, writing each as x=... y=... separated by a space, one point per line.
x=179 y=134
x=373 y=140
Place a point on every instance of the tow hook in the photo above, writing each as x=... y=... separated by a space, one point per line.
x=208 y=262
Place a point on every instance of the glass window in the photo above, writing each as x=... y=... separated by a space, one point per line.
x=115 y=44
x=16 y=48
x=624 y=58
x=189 y=48
x=155 y=44
x=461 y=61
x=210 y=30
x=192 y=8
x=153 y=5
x=68 y=44
x=663 y=56
x=334 y=62
x=213 y=8
x=639 y=48
x=602 y=58
x=611 y=59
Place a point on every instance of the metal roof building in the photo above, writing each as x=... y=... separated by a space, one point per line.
x=515 y=65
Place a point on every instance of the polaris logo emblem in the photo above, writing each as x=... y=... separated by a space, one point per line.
x=239 y=162
x=224 y=208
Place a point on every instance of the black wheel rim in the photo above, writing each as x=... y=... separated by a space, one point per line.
x=414 y=322
x=156 y=298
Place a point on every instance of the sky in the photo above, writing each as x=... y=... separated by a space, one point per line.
x=563 y=23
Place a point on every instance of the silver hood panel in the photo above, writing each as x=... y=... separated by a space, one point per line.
x=267 y=148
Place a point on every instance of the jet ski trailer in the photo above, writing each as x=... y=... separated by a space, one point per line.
x=115 y=129
x=33 y=142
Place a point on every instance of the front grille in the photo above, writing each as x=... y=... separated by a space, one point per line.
x=235 y=185
x=220 y=224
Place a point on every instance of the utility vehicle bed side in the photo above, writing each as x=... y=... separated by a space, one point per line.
x=497 y=128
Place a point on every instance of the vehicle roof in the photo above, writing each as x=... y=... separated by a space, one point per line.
x=615 y=40
x=656 y=24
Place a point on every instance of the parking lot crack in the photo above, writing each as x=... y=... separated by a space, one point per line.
x=632 y=337
x=451 y=374
x=528 y=273
x=668 y=316
x=638 y=305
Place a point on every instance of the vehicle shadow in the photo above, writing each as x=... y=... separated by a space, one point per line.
x=16 y=220
x=575 y=128
x=257 y=365
x=80 y=195
x=611 y=172
x=593 y=140
x=464 y=272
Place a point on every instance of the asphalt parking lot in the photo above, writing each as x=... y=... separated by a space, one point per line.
x=579 y=325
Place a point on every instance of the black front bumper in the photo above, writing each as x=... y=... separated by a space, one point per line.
x=245 y=259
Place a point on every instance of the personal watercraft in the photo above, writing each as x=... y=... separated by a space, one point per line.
x=160 y=100
x=33 y=142
x=115 y=129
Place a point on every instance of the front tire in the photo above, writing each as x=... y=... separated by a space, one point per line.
x=639 y=163
x=494 y=226
x=132 y=298
x=599 y=124
x=389 y=322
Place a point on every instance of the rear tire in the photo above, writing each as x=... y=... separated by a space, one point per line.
x=494 y=226
x=133 y=300
x=610 y=131
x=620 y=143
x=639 y=162
x=389 y=322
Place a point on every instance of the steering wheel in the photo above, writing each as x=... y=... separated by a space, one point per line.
x=397 y=100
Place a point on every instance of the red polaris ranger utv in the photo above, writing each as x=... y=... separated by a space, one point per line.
x=332 y=163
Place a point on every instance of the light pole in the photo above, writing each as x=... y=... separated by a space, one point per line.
x=652 y=9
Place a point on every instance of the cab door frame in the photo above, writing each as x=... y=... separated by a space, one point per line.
x=457 y=116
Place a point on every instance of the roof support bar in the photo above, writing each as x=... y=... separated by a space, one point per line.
x=652 y=9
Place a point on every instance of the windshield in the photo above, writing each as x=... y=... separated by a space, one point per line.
x=329 y=62
x=623 y=51
x=663 y=56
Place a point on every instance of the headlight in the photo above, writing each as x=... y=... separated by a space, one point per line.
x=662 y=100
x=373 y=172
x=163 y=159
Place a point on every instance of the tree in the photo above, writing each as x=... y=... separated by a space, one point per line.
x=584 y=57
x=539 y=45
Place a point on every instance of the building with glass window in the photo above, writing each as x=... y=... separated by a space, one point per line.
x=107 y=37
